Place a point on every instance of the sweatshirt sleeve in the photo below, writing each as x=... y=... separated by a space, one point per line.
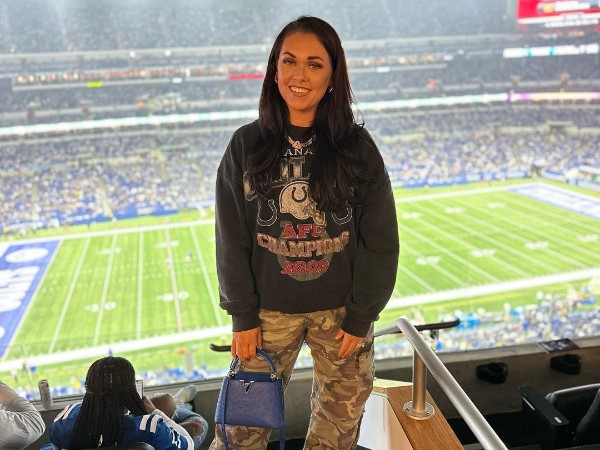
x=234 y=243
x=376 y=263
x=21 y=422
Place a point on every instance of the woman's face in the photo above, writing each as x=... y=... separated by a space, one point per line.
x=303 y=76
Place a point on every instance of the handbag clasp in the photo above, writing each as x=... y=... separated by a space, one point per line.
x=247 y=385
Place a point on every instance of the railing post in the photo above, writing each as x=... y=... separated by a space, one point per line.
x=426 y=359
x=418 y=408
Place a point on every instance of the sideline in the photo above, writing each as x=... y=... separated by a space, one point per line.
x=87 y=234
x=475 y=291
x=117 y=347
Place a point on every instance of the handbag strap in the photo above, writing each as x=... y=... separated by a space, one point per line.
x=223 y=434
x=267 y=358
x=282 y=438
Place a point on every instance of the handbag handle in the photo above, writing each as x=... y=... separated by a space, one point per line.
x=259 y=352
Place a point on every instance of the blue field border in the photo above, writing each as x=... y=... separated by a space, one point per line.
x=585 y=205
x=22 y=267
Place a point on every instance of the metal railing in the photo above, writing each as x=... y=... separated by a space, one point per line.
x=424 y=358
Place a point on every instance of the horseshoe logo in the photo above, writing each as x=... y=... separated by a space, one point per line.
x=299 y=200
x=270 y=221
x=295 y=199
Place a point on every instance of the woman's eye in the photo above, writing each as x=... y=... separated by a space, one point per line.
x=315 y=66
x=288 y=61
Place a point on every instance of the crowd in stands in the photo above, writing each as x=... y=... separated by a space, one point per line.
x=55 y=182
x=446 y=59
x=77 y=181
x=457 y=76
x=459 y=145
x=62 y=25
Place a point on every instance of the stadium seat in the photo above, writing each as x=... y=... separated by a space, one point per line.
x=562 y=418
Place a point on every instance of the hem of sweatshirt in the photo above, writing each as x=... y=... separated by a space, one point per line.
x=243 y=322
x=355 y=327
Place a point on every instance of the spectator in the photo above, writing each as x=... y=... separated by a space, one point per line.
x=20 y=423
x=102 y=418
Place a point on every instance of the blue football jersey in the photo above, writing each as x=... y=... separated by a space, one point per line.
x=148 y=428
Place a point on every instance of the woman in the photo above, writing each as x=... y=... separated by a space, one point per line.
x=101 y=420
x=307 y=237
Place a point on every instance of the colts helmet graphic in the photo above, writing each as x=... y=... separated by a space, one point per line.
x=294 y=199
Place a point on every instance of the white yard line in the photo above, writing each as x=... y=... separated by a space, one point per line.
x=209 y=287
x=446 y=252
x=556 y=218
x=67 y=302
x=426 y=197
x=140 y=286
x=117 y=348
x=504 y=264
x=464 y=244
x=105 y=286
x=174 y=287
x=524 y=240
x=139 y=229
x=415 y=277
x=485 y=224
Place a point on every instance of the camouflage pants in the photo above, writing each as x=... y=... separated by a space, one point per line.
x=340 y=387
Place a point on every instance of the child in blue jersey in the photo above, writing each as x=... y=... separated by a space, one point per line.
x=102 y=419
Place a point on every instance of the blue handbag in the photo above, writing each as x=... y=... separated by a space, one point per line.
x=253 y=399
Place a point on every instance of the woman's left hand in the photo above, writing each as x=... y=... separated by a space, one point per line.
x=350 y=343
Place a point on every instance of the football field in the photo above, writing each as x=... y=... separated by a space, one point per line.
x=132 y=288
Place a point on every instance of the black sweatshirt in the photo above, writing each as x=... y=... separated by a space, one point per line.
x=283 y=254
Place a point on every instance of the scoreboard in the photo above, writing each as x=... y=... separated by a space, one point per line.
x=558 y=13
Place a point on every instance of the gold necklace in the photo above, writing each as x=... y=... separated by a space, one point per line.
x=300 y=145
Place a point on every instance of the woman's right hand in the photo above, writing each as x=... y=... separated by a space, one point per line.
x=244 y=343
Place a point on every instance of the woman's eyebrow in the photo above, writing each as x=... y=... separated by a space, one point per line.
x=308 y=57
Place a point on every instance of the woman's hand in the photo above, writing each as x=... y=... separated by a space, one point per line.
x=350 y=343
x=244 y=343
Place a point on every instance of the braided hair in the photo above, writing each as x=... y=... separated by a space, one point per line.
x=110 y=391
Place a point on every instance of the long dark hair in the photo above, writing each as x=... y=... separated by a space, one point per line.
x=336 y=168
x=109 y=391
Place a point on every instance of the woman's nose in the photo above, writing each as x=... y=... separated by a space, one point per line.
x=299 y=72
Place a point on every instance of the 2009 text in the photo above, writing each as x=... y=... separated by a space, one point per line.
x=302 y=267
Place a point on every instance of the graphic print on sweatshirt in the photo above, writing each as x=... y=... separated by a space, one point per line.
x=291 y=227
